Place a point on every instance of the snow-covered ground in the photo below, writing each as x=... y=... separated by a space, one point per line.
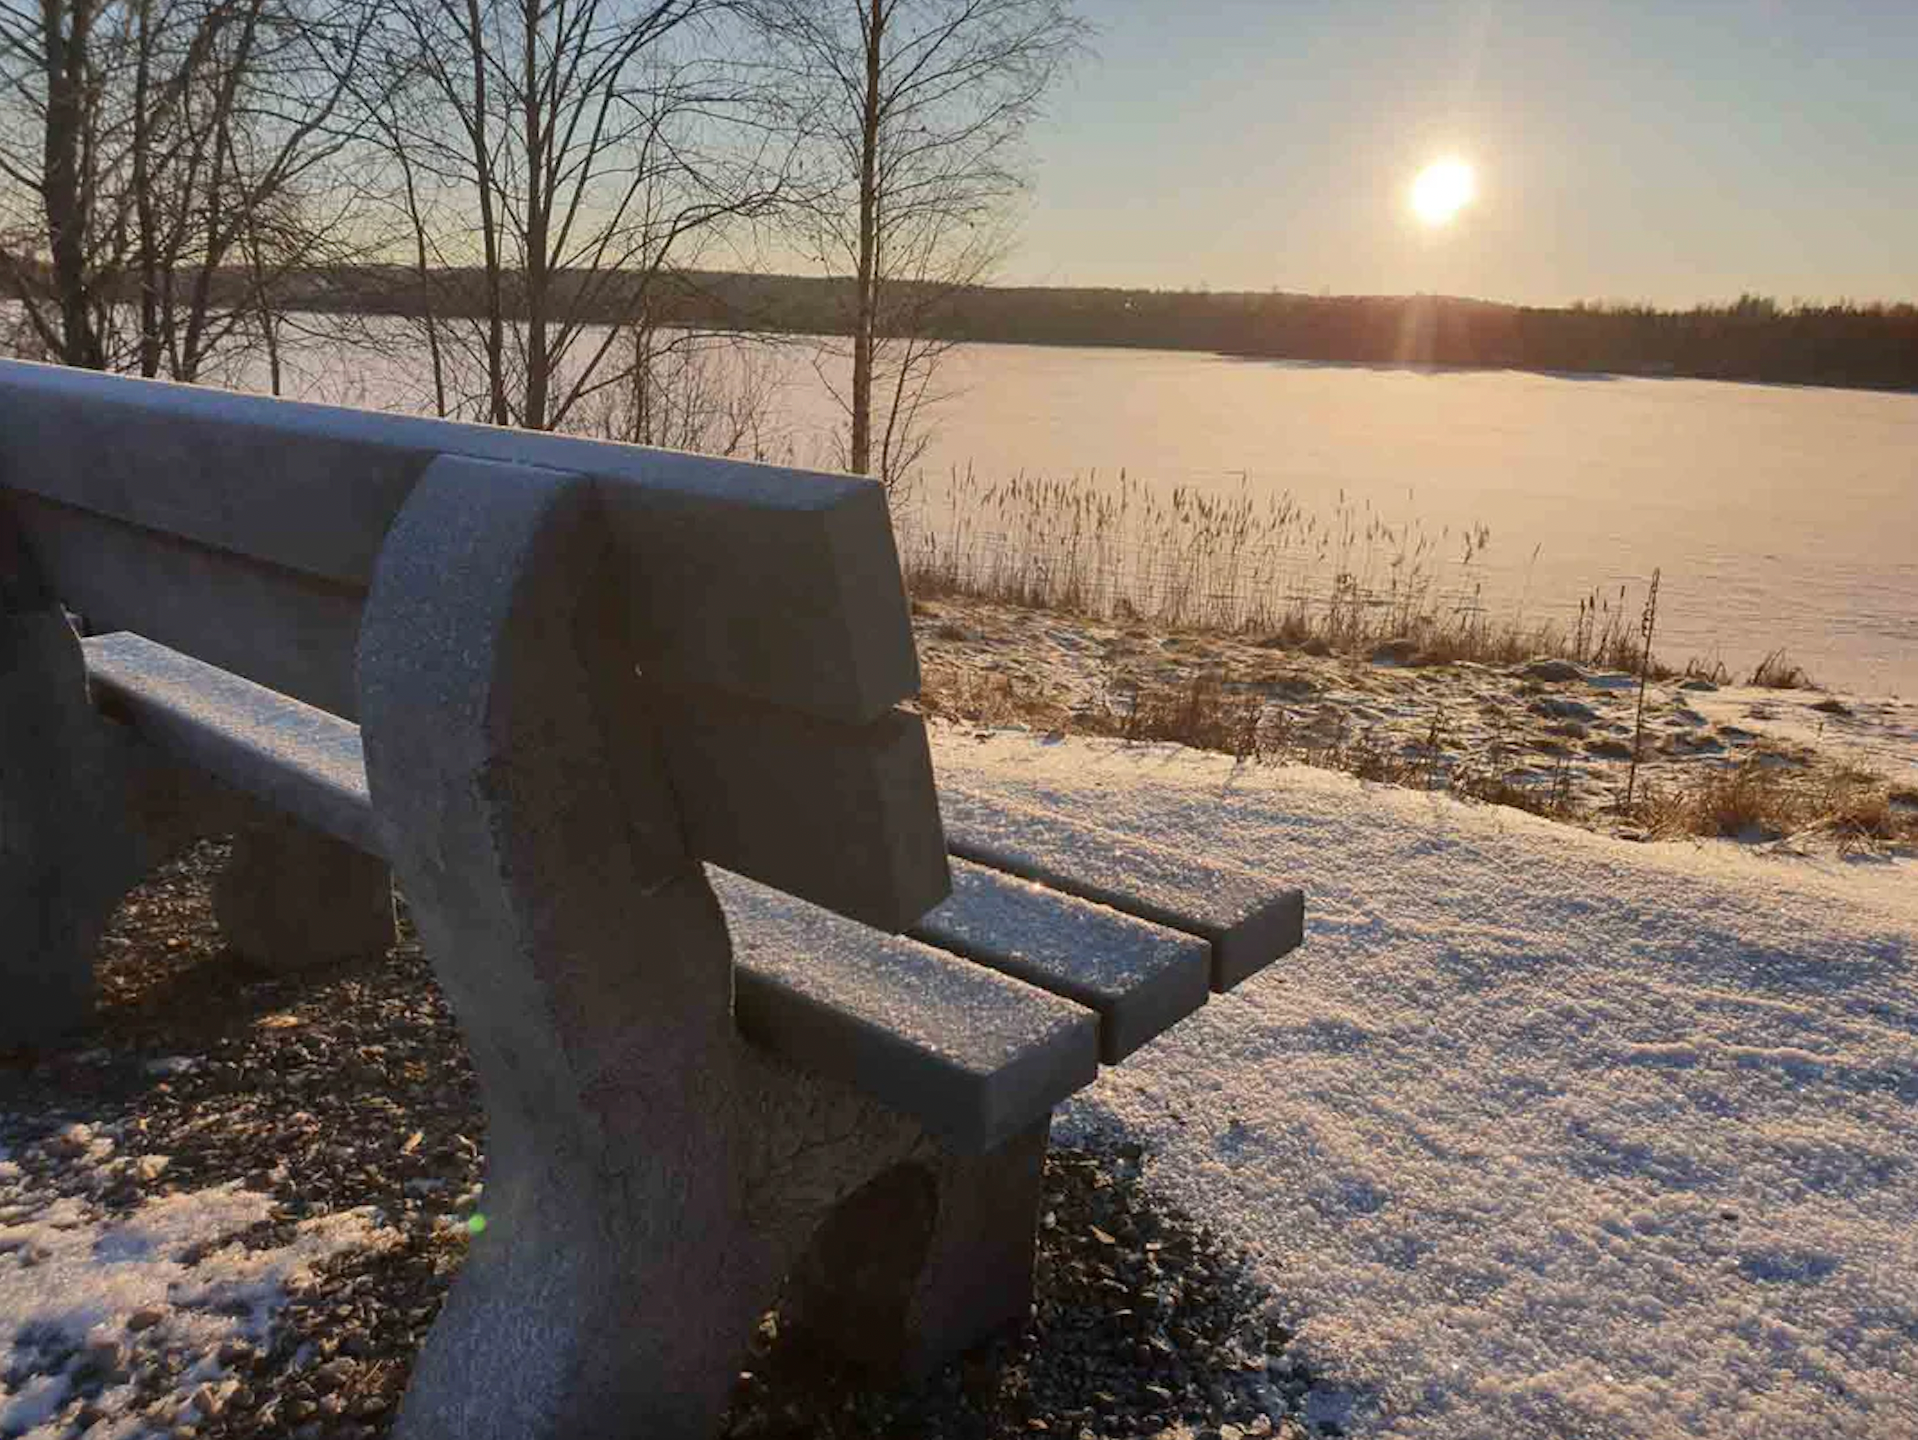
x=84 y=1293
x=1543 y=1133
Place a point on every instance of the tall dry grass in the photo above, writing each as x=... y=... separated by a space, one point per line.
x=1208 y=714
x=1761 y=798
x=1238 y=562
x=1778 y=671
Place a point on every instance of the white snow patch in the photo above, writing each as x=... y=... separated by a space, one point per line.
x=69 y=1277
x=1542 y=1132
x=1878 y=733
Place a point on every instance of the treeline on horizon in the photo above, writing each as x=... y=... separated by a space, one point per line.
x=1754 y=338
x=1871 y=346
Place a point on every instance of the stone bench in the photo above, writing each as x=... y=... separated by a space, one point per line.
x=625 y=726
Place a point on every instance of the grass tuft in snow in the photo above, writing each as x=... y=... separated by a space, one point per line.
x=1778 y=671
x=1761 y=798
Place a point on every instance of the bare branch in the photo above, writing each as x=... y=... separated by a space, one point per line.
x=912 y=111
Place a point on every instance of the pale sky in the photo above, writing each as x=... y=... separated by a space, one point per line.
x=1636 y=150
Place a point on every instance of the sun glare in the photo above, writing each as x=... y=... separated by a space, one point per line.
x=1442 y=189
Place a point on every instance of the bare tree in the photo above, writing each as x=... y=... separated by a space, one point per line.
x=693 y=388
x=168 y=168
x=555 y=158
x=51 y=133
x=913 y=111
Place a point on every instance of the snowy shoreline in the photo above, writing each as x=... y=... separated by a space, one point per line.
x=1549 y=734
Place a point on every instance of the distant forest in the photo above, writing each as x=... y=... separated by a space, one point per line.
x=1754 y=338
x=1873 y=346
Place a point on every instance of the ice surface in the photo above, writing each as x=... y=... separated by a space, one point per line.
x=1541 y=1132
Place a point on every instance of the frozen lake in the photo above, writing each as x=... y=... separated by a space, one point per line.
x=1779 y=516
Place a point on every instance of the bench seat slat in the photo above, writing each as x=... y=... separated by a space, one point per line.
x=974 y=1055
x=760 y=788
x=778 y=585
x=302 y=760
x=1141 y=978
x=1248 y=922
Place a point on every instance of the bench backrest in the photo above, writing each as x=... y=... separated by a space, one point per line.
x=767 y=613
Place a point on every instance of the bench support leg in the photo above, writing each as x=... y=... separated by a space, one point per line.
x=650 y=1177
x=292 y=897
x=82 y=819
x=977 y=1278
x=66 y=851
x=85 y=813
x=926 y=1260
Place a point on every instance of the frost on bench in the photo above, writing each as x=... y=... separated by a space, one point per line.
x=570 y=706
x=1246 y=920
x=652 y=1175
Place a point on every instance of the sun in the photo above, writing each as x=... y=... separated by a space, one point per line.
x=1442 y=189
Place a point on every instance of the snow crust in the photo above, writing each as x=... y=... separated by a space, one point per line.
x=1878 y=733
x=1542 y=1133
x=170 y=1274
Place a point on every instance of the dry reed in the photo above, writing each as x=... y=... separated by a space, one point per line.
x=1777 y=671
x=1240 y=563
x=1766 y=797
